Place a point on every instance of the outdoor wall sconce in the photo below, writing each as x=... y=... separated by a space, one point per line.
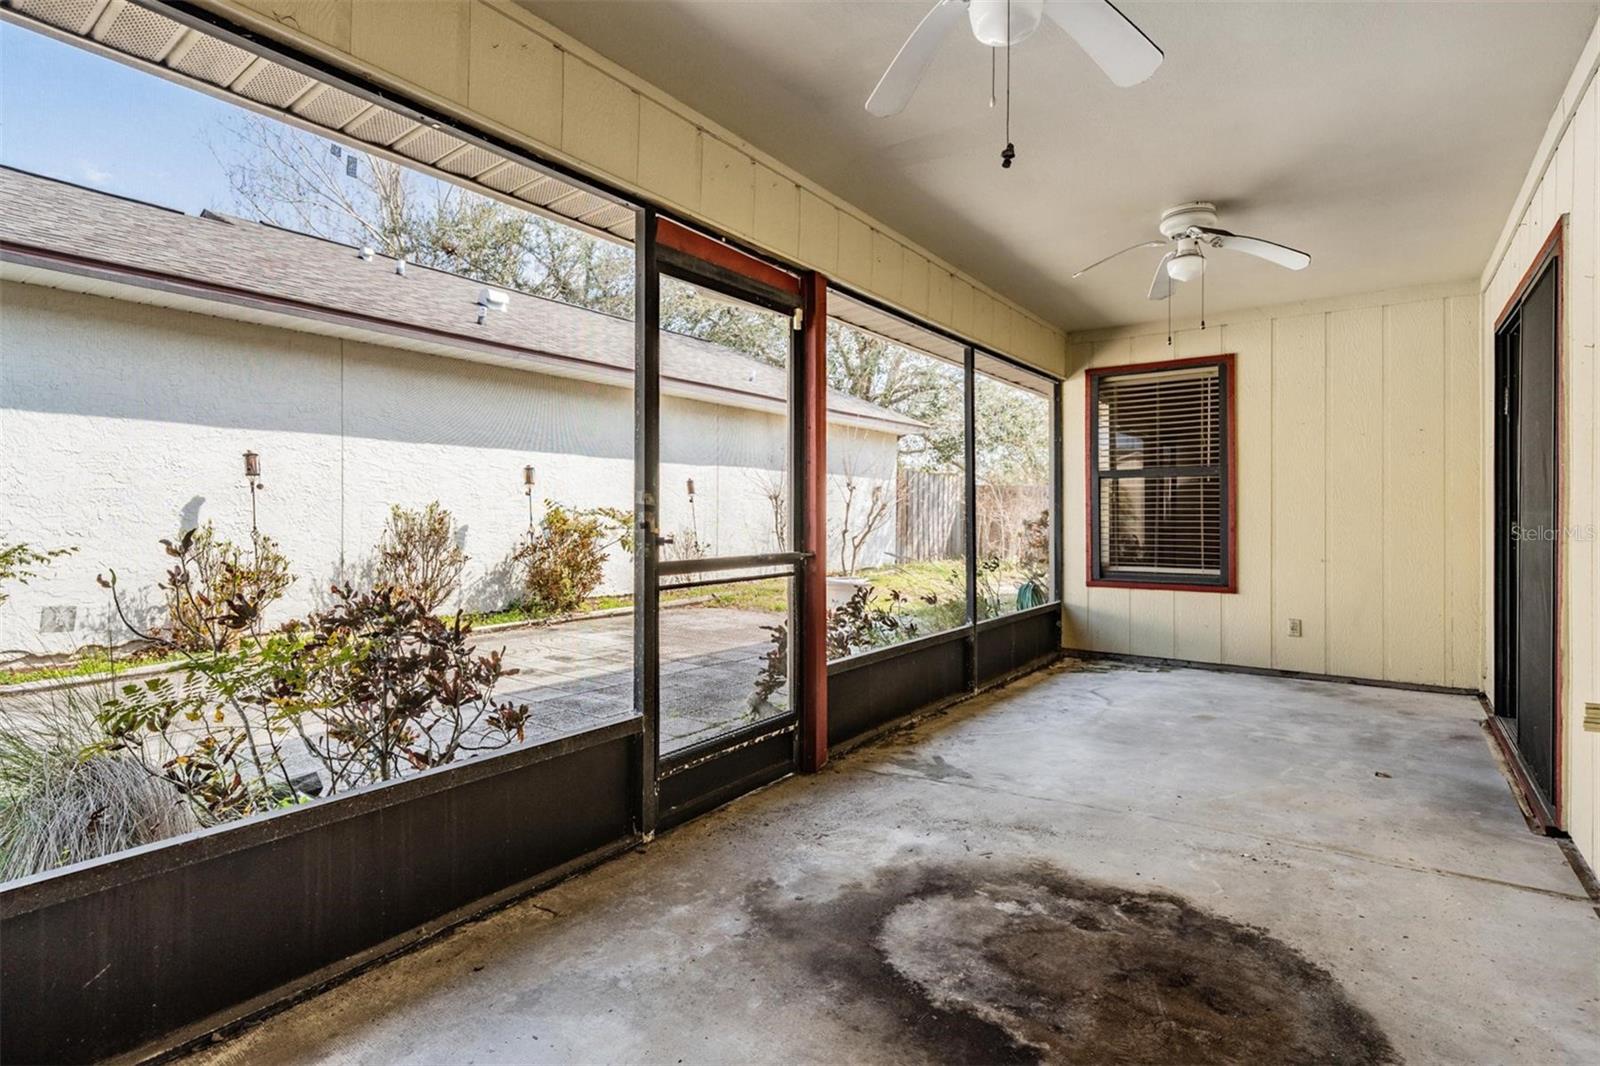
x=527 y=490
x=252 y=474
x=694 y=524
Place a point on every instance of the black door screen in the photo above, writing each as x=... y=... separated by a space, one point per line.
x=1528 y=533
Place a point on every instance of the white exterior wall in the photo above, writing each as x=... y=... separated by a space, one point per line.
x=1563 y=181
x=123 y=423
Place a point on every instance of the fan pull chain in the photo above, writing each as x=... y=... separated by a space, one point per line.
x=1010 y=152
x=992 y=62
x=1202 y=295
x=1169 y=314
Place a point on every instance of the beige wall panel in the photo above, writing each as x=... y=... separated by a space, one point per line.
x=727 y=186
x=1413 y=491
x=1108 y=620
x=914 y=283
x=669 y=155
x=1355 y=500
x=777 y=224
x=1150 y=622
x=514 y=76
x=1463 y=455
x=1075 y=624
x=855 y=251
x=819 y=232
x=1107 y=610
x=1247 y=614
x=422 y=41
x=1299 y=516
x=888 y=266
x=1197 y=626
x=982 y=317
x=599 y=120
x=1582 y=592
x=326 y=20
x=1000 y=331
x=939 y=287
x=961 y=296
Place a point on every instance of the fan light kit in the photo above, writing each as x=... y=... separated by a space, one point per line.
x=1116 y=45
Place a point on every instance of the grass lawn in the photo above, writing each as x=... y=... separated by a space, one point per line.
x=89 y=664
x=943 y=579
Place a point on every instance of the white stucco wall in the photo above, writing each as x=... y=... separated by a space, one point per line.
x=121 y=424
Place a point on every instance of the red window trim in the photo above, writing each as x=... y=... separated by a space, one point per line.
x=1228 y=362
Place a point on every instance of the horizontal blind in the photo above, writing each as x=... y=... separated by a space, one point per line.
x=1158 y=465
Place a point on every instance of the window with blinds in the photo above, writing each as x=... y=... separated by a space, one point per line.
x=1160 y=492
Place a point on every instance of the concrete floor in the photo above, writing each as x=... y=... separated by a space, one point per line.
x=1094 y=864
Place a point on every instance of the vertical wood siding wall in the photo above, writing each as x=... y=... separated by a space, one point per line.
x=509 y=73
x=1564 y=180
x=1359 y=451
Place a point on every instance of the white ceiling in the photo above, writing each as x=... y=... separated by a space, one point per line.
x=1388 y=140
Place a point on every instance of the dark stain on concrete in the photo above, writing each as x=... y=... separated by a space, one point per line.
x=1027 y=964
x=935 y=768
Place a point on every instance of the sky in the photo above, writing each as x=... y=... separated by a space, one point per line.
x=70 y=114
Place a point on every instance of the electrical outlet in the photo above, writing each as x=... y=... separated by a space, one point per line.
x=1295 y=629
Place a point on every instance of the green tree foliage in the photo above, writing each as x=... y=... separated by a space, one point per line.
x=20 y=563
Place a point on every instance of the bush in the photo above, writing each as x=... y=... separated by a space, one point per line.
x=378 y=686
x=564 y=563
x=372 y=687
x=64 y=797
x=218 y=590
x=418 y=555
x=859 y=623
x=853 y=626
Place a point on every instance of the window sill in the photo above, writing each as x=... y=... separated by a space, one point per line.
x=1170 y=586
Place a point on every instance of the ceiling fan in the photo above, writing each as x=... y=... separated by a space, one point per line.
x=1116 y=45
x=1188 y=230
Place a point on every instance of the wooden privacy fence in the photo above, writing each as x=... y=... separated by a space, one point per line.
x=928 y=507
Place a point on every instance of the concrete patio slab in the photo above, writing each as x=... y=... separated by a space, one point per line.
x=1096 y=864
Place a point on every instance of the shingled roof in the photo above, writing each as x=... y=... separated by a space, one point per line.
x=143 y=243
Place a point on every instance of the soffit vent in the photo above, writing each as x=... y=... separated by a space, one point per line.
x=74 y=16
x=146 y=38
x=272 y=84
x=577 y=203
x=137 y=31
x=380 y=126
x=606 y=215
x=209 y=59
x=329 y=107
x=508 y=177
x=427 y=145
x=470 y=161
x=543 y=190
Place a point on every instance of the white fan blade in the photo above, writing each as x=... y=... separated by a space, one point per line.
x=1116 y=45
x=911 y=62
x=1271 y=251
x=1161 y=284
x=1125 y=251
